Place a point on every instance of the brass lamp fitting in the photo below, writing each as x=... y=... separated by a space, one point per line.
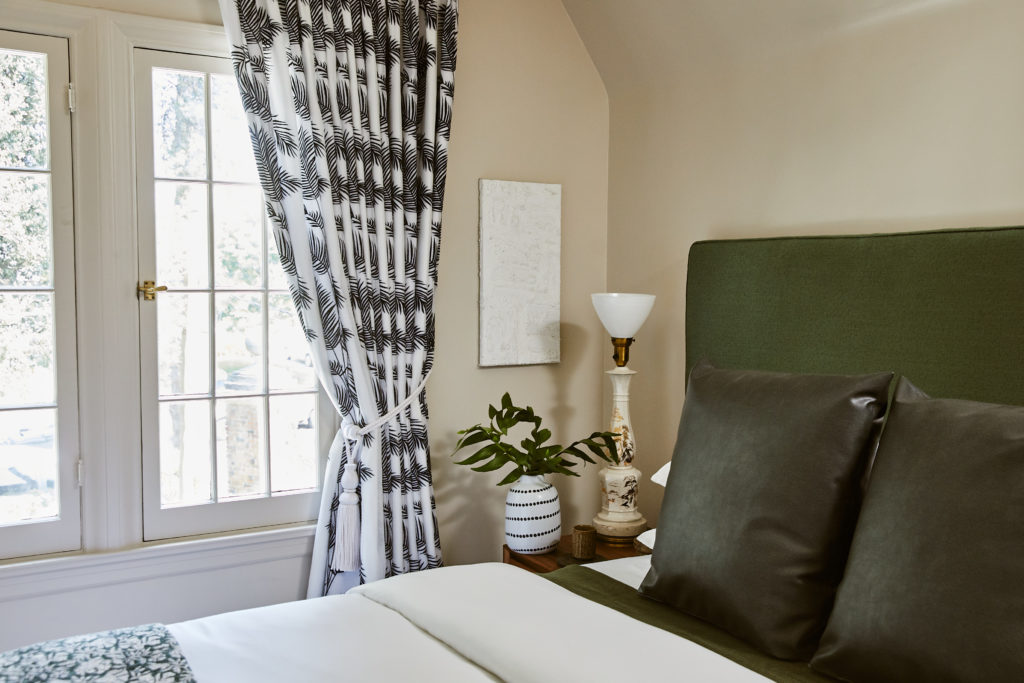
x=621 y=355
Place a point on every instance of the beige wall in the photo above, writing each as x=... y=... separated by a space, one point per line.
x=529 y=106
x=727 y=125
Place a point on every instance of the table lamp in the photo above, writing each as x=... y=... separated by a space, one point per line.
x=619 y=520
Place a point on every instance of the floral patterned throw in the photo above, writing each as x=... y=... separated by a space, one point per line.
x=140 y=653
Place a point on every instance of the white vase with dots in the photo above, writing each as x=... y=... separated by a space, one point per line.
x=533 y=516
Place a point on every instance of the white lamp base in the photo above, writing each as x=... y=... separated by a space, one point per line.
x=619 y=520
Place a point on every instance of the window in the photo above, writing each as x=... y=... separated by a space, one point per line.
x=231 y=413
x=196 y=412
x=39 y=494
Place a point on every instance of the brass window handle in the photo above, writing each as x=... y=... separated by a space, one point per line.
x=149 y=289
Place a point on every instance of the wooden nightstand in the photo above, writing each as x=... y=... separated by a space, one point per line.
x=549 y=562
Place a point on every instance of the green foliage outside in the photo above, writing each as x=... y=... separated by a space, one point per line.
x=26 y=319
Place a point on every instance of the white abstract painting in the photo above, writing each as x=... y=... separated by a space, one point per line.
x=520 y=260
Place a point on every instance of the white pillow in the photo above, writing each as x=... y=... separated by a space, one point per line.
x=661 y=476
x=647 y=538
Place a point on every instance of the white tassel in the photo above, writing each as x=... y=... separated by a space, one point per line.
x=346 y=527
x=346 y=530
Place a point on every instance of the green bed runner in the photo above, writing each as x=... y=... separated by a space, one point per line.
x=620 y=597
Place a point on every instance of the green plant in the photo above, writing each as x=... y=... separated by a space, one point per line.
x=533 y=457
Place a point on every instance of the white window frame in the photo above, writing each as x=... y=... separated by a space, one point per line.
x=101 y=45
x=168 y=522
x=63 y=533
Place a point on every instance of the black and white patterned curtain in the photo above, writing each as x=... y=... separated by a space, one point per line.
x=349 y=105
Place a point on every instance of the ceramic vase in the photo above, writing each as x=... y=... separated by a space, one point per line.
x=533 y=516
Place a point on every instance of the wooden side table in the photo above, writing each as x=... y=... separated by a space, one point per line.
x=562 y=556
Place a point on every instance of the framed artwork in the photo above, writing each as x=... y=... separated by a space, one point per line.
x=520 y=263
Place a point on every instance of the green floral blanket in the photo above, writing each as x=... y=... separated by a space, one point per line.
x=141 y=653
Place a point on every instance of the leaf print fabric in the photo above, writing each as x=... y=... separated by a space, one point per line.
x=142 y=653
x=349 y=107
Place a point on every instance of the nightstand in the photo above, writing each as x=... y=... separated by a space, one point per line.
x=562 y=557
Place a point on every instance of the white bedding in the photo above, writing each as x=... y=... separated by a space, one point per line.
x=465 y=623
x=337 y=638
x=628 y=570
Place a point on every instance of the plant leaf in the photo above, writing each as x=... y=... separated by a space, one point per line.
x=580 y=454
x=511 y=452
x=482 y=454
x=511 y=477
x=499 y=461
x=475 y=435
x=560 y=469
x=609 y=442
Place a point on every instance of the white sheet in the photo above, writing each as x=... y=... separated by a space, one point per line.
x=337 y=638
x=464 y=623
x=628 y=570
x=522 y=627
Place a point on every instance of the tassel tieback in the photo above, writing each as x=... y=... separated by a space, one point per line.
x=346 y=531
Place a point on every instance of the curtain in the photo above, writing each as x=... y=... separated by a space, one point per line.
x=349 y=107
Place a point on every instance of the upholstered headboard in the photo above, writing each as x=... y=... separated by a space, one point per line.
x=944 y=308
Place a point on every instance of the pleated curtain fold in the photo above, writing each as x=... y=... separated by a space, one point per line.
x=349 y=106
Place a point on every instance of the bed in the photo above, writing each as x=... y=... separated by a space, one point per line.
x=945 y=309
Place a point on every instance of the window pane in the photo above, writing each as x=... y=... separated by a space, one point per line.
x=28 y=465
x=275 y=274
x=232 y=153
x=239 y=343
x=241 y=467
x=293 y=446
x=238 y=231
x=26 y=349
x=179 y=124
x=183 y=341
x=23 y=123
x=291 y=366
x=26 y=253
x=185 y=458
x=181 y=235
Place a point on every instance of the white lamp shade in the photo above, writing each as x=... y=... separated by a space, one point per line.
x=622 y=314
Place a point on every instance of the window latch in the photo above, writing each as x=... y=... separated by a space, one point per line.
x=149 y=289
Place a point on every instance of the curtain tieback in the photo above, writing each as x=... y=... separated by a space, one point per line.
x=346 y=531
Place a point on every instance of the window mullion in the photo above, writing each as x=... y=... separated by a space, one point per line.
x=210 y=269
x=266 y=376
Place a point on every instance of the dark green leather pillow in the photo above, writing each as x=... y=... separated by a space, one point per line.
x=762 y=499
x=934 y=588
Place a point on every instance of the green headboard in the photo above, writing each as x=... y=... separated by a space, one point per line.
x=944 y=308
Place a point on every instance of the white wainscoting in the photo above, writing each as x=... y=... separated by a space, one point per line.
x=63 y=596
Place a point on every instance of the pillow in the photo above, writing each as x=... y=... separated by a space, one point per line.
x=647 y=538
x=762 y=499
x=661 y=476
x=934 y=588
